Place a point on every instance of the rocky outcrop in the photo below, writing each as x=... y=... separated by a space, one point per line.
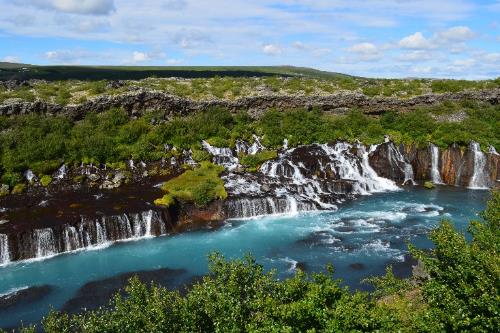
x=138 y=102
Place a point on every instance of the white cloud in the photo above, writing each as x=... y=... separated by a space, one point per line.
x=11 y=59
x=415 y=41
x=90 y=7
x=299 y=45
x=455 y=34
x=272 y=49
x=416 y=56
x=365 y=52
x=140 y=56
x=363 y=48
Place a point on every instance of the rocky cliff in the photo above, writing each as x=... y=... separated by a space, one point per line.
x=141 y=101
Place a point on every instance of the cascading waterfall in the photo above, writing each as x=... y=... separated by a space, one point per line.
x=86 y=234
x=292 y=186
x=4 y=249
x=397 y=158
x=435 y=174
x=45 y=243
x=479 y=179
x=222 y=156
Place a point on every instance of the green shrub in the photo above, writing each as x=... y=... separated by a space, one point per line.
x=254 y=161
x=45 y=180
x=18 y=188
x=429 y=185
x=201 y=185
x=166 y=201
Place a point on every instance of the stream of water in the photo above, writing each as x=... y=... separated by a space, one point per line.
x=360 y=239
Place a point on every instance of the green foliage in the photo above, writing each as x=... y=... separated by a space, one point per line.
x=43 y=143
x=429 y=185
x=463 y=292
x=18 y=188
x=166 y=201
x=254 y=161
x=45 y=180
x=11 y=178
x=201 y=185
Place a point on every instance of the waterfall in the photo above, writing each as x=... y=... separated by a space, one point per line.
x=44 y=242
x=256 y=146
x=30 y=176
x=61 y=172
x=492 y=150
x=4 y=249
x=71 y=239
x=479 y=179
x=222 y=156
x=396 y=158
x=435 y=174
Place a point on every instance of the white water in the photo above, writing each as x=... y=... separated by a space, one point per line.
x=44 y=242
x=222 y=156
x=479 y=179
x=61 y=172
x=396 y=158
x=30 y=176
x=4 y=249
x=256 y=146
x=435 y=174
x=492 y=150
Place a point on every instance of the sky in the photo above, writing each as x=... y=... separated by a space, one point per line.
x=372 y=38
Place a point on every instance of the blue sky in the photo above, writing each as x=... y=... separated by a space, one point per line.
x=374 y=38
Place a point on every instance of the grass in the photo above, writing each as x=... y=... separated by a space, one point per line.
x=201 y=186
x=254 y=161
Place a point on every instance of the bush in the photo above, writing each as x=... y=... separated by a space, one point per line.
x=201 y=185
x=45 y=180
x=254 y=161
x=18 y=188
x=166 y=201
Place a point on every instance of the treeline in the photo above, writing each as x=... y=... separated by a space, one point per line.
x=43 y=143
x=457 y=291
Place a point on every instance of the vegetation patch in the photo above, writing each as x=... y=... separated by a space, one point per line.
x=45 y=180
x=166 y=201
x=254 y=161
x=201 y=185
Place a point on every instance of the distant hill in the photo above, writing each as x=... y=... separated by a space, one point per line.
x=11 y=71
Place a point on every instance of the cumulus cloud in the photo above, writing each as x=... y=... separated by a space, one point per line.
x=455 y=34
x=140 y=56
x=415 y=41
x=416 y=56
x=365 y=51
x=88 y=7
x=11 y=58
x=272 y=49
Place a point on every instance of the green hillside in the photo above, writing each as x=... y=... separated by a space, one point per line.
x=10 y=71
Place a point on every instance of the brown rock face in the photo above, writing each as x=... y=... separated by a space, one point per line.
x=141 y=101
x=451 y=160
x=494 y=168
x=387 y=162
x=420 y=160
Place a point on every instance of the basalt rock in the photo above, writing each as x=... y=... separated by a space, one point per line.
x=451 y=162
x=140 y=101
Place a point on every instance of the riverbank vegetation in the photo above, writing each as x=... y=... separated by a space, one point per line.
x=42 y=143
x=200 y=185
x=456 y=289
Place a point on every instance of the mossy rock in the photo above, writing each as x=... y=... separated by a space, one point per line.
x=19 y=188
x=79 y=179
x=45 y=180
x=4 y=190
x=166 y=201
x=429 y=185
